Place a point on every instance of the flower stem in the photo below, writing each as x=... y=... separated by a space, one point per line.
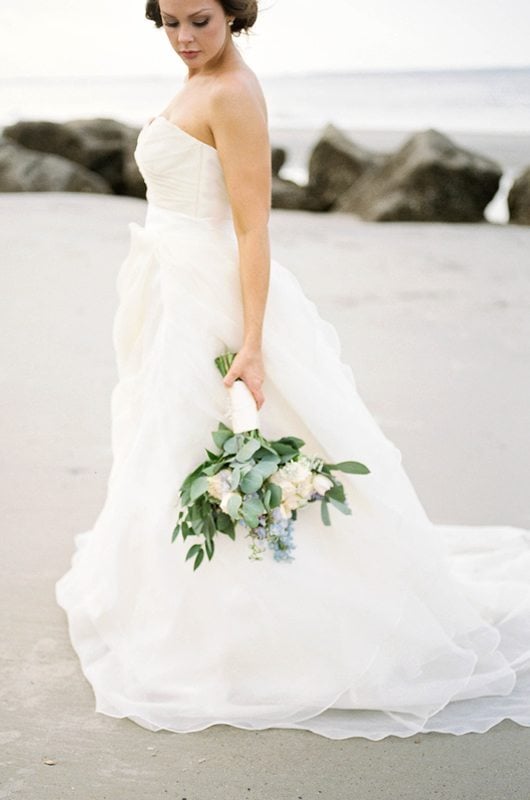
x=224 y=362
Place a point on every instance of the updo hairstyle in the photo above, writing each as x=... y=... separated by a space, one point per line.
x=245 y=13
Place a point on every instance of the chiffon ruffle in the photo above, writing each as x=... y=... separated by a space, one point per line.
x=384 y=624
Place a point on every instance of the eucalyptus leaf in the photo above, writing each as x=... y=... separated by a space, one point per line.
x=266 y=451
x=341 y=506
x=293 y=441
x=231 y=445
x=224 y=523
x=248 y=450
x=234 y=480
x=266 y=468
x=250 y=518
x=337 y=492
x=209 y=523
x=194 y=549
x=324 y=512
x=353 y=467
x=221 y=436
x=276 y=495
x=198 y=526
x=212 y=469
x=284 y=449
x=198 y=487
x=209 y=547
x=191 y=477
x=233 y=505
x=253 y=505
x=251 y=482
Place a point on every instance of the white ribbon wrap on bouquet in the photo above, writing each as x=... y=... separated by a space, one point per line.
x=243 y=409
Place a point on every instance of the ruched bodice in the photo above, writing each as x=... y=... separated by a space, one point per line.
x=182 y=173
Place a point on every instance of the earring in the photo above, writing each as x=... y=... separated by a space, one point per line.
x=231 y=22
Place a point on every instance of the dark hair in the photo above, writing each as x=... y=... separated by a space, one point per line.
x=245 y=13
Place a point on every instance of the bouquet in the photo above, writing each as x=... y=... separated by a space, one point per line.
x=256 y=483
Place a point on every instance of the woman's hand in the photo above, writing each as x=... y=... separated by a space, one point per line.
x=248 y=365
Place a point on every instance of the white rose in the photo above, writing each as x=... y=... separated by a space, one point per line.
x=285 y=511
x=294 y=501
x=278 y=477
x=321 y=484
x=305 y=489
x=297 y=472
x=219 y=483
x=285 y=485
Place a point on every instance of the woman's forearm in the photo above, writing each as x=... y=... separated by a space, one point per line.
x=254 y=270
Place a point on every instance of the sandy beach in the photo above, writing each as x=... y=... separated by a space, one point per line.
x=434 y=320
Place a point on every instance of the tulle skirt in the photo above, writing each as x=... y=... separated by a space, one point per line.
x=384 y=624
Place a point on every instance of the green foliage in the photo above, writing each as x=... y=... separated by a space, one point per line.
x=198 y=487
x=324 y=511
x=233 y=506
x=252 y=460
x=341 y=506
x=276 y=495
x=336 y=492
x=266 y=468
x=221 y=435
x=231 y=446
x=353 y=467
x=247 y=450
x=252 y=481
x=251 y=509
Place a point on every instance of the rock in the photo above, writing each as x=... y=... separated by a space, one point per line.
x=287 y=194
x=278 y=156
x=335 y=164
x=429 y=179
x=102 y=145
x=23 y=170
x=519 y=199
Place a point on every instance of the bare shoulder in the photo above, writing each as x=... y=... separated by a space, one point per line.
x=238 y=120
x=237 y=96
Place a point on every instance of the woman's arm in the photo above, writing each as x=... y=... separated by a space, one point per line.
x=239 y=126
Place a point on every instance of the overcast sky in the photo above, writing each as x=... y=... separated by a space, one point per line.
x=111 y=37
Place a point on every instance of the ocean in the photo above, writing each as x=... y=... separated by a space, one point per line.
x=493 y=100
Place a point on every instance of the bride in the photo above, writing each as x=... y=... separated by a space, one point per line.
x=384 y=623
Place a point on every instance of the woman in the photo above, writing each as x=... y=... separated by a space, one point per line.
x=222 y=104
x=384 y=623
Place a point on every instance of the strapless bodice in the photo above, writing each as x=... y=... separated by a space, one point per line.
x=182 y=173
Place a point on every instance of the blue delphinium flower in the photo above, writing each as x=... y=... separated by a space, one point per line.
x=281 y=540
x=274 y=531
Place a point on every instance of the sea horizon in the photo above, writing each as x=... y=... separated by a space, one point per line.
x=479 y=99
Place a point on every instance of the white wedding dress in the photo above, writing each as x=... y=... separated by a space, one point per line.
x=384 y=624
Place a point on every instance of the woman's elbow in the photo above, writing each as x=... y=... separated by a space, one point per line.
x=257 y=228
